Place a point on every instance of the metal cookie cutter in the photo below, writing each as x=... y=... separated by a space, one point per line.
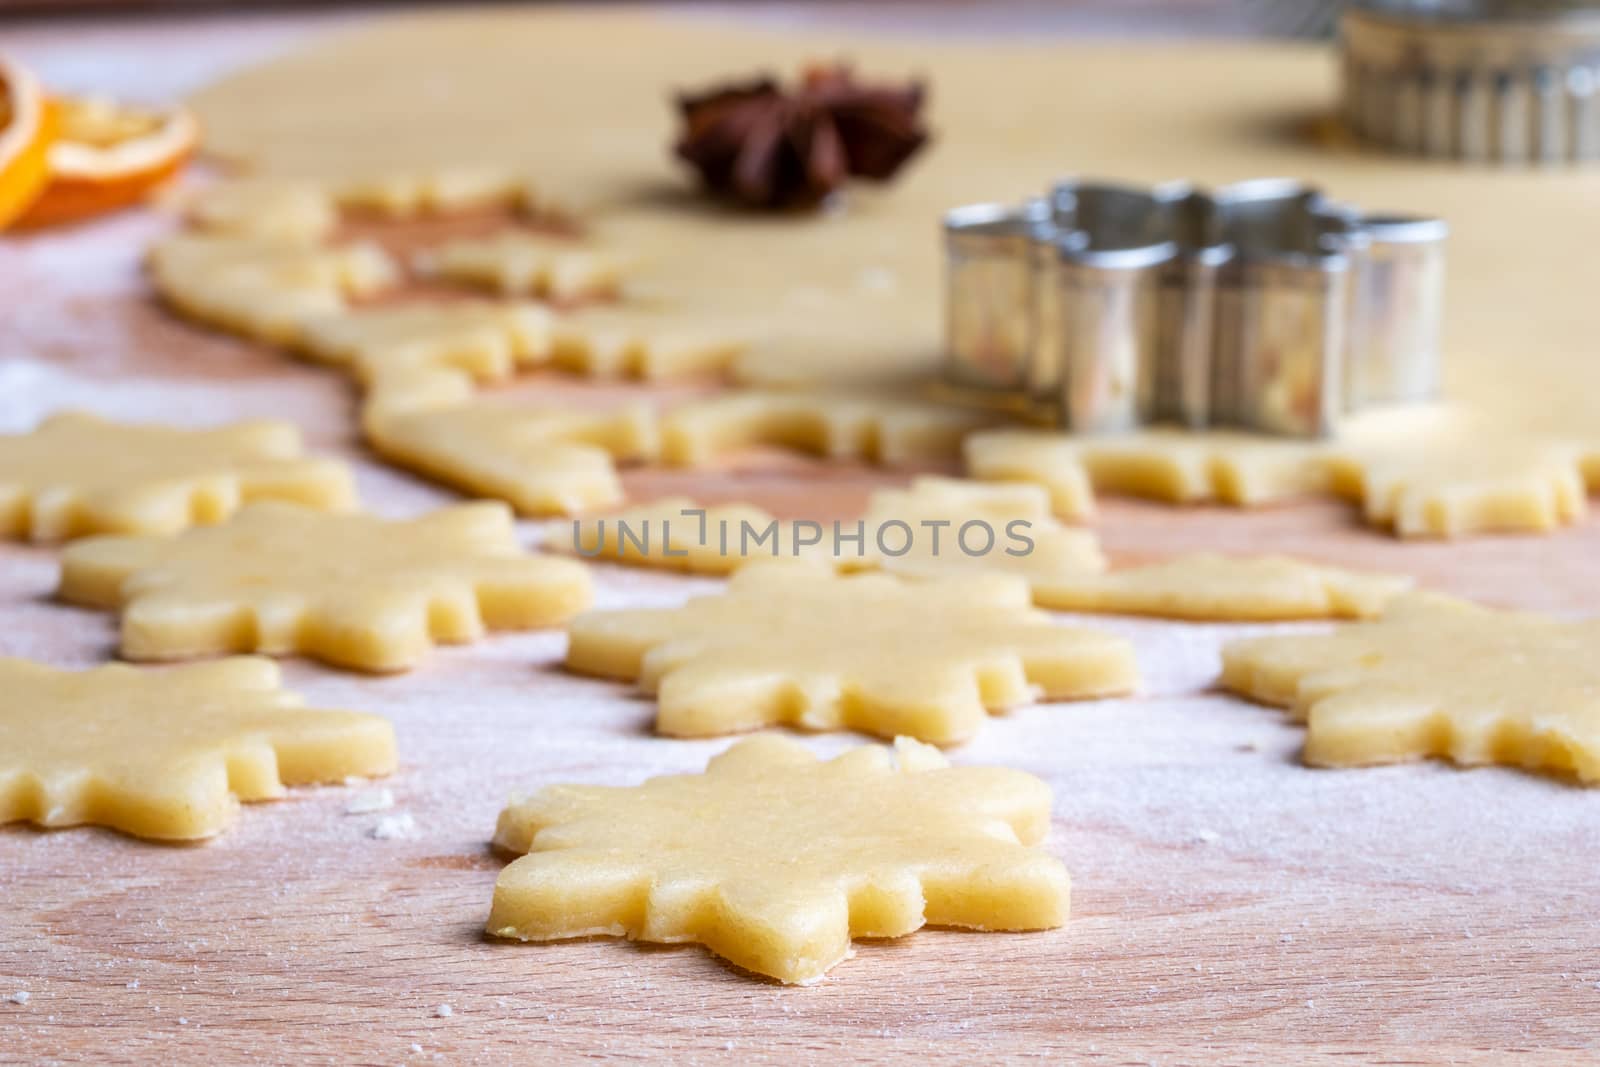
x=1514 y=81
x=1262 y=305
x=1055 y=301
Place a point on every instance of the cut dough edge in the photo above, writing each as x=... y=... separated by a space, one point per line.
x=1431 y=497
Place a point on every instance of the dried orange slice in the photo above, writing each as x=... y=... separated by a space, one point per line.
x=109 y=155
x=27 y=129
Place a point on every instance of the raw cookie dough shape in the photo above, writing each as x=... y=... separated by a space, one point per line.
x=775 y=860
x=957 y=526
x=1203 y=586
x=167 y=754
x=615 y=342
x=677 y=534
x=403 y=194
x=409 y=192
x=1176 y=466
x=352 y=590
x=1427 y=492
x=263 y=288
x=522 y=264
x=540 y=460
x=1436 y=677
x=272 y=208
x=487 y=341
x=78 y=474
x=483 y=340
x=882 y=430
x=791 y=643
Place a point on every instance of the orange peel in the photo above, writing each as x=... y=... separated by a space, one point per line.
x=109 y=156
x=28 y=124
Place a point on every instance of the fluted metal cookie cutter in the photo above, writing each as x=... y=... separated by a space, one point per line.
x=1513 y=81
x=1262 y=305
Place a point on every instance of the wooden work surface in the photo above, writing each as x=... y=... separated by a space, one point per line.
x=1230 y=905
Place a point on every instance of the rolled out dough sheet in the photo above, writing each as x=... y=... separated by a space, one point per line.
x=1008 y=116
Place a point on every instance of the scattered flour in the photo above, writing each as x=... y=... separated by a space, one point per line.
x=369 y=801
x=21 y=996
x=394 y=827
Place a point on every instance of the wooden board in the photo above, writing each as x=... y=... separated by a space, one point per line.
x=1230 y=905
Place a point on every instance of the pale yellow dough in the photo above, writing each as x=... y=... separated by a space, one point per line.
x=800 y=347
x=167 y=754
x=844 y=296
x=1031 y=456
x=1436 y=677
x=882 y=430
x=522 y=264
x=406 y=388
x=289 y=263
x=1504 y=486
x=399 y=193
x=959 y=526
x=1415 y=489
x=272 y=208
x=791 y=643
x=78 y=474
x=483 y=340
x=352 y=590
x=852 y=293
x=446 y=186
x=775 y=860
x=1241 y=588
x=644 y=342
x=677 y=534
x=488 y=341
x=1171 y=465
x=541 y=460
x=264 y=288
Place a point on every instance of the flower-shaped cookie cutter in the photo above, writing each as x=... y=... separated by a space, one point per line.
x=1512 y=81
x=1261 y=305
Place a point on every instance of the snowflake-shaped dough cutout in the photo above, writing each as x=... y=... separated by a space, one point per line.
x=941 y=526
x=676 y=534
x=774 y=860
x=525 y=264
x=1176 y=466
x=78 y=474
x=482 y=340
x=1439 y=677
x=651 y=344
x=883 y=430
x=795 y=644
x=1422 y=491
x=264 y=288
x=1203 y=586
x=274 y=208
x=936 y=528
x=541 y=460
x=401 y=194
x=167 y=753
x=352 y=590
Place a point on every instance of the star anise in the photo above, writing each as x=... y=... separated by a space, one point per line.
x=768 y=148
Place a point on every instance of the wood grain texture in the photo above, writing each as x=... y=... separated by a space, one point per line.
x=1230 y=905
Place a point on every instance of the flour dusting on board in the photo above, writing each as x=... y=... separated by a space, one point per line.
x=1221 y=888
